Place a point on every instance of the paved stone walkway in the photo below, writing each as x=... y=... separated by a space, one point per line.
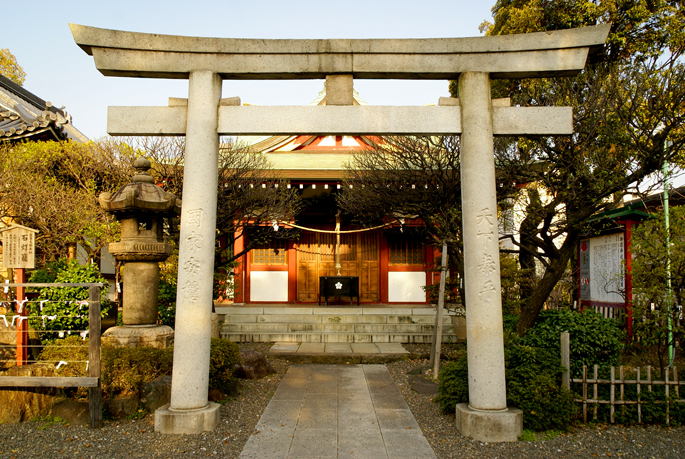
x=337 y=411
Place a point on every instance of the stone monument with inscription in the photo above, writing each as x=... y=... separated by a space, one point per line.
x=141 y=207
x=206 y=62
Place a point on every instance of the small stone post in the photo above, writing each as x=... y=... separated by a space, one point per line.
x=141 y=207
x=485 y=417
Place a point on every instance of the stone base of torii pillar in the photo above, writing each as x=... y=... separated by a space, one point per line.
x=489 y=426
x=171 y=421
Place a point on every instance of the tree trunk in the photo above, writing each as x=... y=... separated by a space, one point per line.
x=534 y=304
x=527 y=230
x=457 y=266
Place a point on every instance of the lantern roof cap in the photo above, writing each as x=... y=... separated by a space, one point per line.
x=141 y=195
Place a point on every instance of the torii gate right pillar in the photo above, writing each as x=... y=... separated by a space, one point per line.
x=486 y=416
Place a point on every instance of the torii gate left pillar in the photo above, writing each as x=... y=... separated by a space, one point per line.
x=205 y=61
x=190 y=410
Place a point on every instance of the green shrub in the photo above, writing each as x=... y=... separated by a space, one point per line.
x=125 y=368
x=453 y=385
x=65 y=302
x=533 y=385
x=48 y=273
x=594 y=339
x=73 y=350
x=166 y=303
x=223 y=358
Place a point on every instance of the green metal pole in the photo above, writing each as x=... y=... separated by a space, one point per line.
x=671 y=354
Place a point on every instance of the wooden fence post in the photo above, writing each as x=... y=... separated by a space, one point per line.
x=437 y=331
x=94 y=393
x=23 y=324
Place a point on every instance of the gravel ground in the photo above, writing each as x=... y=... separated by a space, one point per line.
x=136 y=438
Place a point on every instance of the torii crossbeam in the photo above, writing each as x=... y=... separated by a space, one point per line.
x=205 y=62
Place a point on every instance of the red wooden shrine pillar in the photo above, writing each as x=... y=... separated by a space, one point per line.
x=629 y=276
x=383 y=269
x=239 y=271
x=292 y=272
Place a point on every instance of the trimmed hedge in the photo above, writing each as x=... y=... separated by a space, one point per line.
x=595 y=340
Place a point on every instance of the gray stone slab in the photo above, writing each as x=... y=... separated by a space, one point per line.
x=285 y=311
x=295 y=395
x=364 y=348
x=391 y=348
x=308 y=443
x=312 y=418
x=357 y=410
x=312 y=348
x=359 y=444
x=358 y=424
x=352 y=382
x=406 y=444
x=319 y=401
x=396 y=419
x=278 y=414
x=267 y=444
x=323 y=387
x=298 y=374
x=293 y=383
x=338 y=311
x=338 y=348
x=351 y=371
x=354 y=386
x=353 y=400
x=323 y=377
x=388 y=401
x=423 y=386
x=284 y=347
x=324 y=370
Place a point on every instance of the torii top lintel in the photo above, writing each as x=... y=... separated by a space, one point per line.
x=542 y=54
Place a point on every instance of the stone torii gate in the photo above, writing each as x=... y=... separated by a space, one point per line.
x=205 y=62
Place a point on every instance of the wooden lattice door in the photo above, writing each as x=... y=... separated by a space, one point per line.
x=359 y=256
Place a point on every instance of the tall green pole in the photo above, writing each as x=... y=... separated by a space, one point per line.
x=671 y=354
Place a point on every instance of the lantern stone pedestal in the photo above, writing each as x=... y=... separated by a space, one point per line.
x=141 y=206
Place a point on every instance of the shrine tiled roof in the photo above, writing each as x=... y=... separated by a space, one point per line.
x=25 y=116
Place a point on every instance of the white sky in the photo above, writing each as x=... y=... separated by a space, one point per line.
x=60 y=72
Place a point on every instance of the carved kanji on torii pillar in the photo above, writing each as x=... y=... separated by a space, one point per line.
x=205 y=62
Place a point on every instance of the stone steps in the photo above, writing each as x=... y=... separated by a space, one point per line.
x=336 y=324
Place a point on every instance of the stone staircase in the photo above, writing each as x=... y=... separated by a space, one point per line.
x=337 y=324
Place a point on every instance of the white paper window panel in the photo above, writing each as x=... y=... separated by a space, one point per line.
x=405 y=286
x=269 y=286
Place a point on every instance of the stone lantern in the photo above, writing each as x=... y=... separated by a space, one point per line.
x=141 y=207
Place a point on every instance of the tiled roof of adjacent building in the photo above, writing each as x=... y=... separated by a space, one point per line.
x=25 y=116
